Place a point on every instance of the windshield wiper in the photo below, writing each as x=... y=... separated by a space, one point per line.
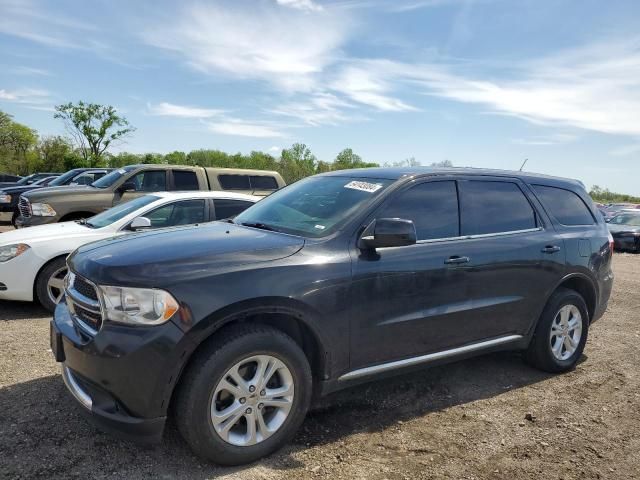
x=83 y=221
x=262 y=226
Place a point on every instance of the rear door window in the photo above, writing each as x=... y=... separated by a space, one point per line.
x=227 y=208
x=185 y=212
x=432 y=206
x=494 y=207
x=185 y=180
x=234 y=182
x=566 y=206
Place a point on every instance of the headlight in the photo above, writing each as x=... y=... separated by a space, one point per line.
x=12 y=251
x=42 y=210
x=138 y=306
x=5 y=198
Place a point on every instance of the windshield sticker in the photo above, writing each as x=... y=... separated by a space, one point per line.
x=122 y=171
x=364 y=186
x=320 y=227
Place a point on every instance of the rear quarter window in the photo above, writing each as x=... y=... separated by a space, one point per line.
x=234 y=182
x=263 y=182
x=566 y=206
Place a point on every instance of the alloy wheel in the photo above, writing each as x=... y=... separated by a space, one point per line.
x=252 y=400
x=566 y=331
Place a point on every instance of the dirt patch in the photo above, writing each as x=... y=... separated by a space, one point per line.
x=490 y=417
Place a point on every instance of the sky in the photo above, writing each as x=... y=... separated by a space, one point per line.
x=482 y=83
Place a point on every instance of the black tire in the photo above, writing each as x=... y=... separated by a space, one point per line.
x=42 y=281
x=224 y=350
x=539 y=353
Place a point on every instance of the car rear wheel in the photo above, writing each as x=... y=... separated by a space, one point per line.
x=50 y=283
x=244 y=395
x=561 y=333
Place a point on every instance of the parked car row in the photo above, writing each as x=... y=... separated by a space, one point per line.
x=9 y=196
x=28 y=180
x=45 y=206
x=233 y=327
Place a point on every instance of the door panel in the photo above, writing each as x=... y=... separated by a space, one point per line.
x=414 y=303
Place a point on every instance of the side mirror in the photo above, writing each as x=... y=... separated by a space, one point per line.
x=127 y=187
x=140 y=223
x=388 y=232
x=607 y=220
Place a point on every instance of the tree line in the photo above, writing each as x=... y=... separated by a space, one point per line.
x=93 y=130
x=604 y=195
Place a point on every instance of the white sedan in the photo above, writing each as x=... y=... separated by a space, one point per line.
x=33 y=260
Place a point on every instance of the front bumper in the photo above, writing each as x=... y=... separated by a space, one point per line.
x=122 y=378
x=18 y=276
x=6 y=216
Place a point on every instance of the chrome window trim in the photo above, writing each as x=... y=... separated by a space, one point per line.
x=483 y=235
x=430 y=357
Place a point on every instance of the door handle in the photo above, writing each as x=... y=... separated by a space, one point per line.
x=551 y=249
x=455 y=260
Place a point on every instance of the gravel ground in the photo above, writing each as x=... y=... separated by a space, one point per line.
x=490 y=417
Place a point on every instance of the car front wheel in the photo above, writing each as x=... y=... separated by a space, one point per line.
x=244 y=395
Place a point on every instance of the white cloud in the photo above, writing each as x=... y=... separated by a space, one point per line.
x=546 y=140
x=301 y=5
x=369 y=83
x=321 y=108
x=595 y=88
x=243 y=128
x=626 y=150
x=172 y=110
x=275 y=149
x=25 y=95
x=282 y=46
x=29 y=20
x=22 y=70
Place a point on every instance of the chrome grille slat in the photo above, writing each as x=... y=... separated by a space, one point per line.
x=83 y=303
x=24 y=207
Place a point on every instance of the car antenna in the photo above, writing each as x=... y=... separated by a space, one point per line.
x=524 y=163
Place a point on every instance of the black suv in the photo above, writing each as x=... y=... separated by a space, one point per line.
x=336 y=279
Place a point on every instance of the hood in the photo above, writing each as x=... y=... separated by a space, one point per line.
x=52 y=192
x=13 y=190
x=164 y=257
x=613 y=228
x=45 y=233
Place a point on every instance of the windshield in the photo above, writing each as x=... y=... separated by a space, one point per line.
x=314 y=207
x=120 y=211
x=25 y=180
x=64 y=178
x=111 y=178
x=626 y=219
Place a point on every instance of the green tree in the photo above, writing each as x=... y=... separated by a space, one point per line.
x=54 y=152
x=16 y=143
x=347 y=159
x=297 y=162
x=176 y=158
x=93 y=127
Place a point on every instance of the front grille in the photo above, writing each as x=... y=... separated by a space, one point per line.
x=85 y=288
x=24 y=207
x=83 y=303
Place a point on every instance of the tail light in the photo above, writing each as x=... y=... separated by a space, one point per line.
x=610 y=242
